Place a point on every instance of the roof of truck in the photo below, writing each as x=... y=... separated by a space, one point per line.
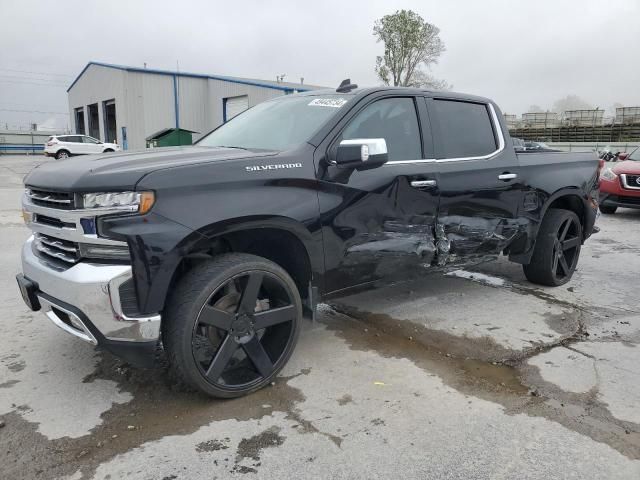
x=407 y=90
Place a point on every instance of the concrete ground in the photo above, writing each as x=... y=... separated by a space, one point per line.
x=477 y=374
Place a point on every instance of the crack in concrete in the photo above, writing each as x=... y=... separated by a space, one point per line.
x=513 y=384
x=309 y=427
x=568 y=347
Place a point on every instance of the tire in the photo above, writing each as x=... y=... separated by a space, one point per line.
x=557 y=249
x=62 y=154
x=607 y=210
x=211 y=325
x=107 y=150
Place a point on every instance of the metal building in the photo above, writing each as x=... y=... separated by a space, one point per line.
x=127 y=104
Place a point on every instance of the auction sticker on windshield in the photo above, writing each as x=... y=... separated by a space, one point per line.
x=328 y=102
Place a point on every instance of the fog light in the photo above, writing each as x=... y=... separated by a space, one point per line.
x=27 y=217
x=105 y=252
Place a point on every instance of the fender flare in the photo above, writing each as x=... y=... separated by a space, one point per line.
x=564 y=192
x=311 y=243
x=525 y=257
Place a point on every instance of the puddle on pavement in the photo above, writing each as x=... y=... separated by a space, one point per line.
x=484 y=349
x=511 y=385
x=158 y=409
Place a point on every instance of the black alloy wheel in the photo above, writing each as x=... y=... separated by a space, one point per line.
x=242 y=327
x=557 y=249
x=566 y=248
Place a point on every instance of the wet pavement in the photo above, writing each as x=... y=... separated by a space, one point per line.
x=477 y=374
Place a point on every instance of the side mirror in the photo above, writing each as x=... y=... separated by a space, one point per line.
x=362 y=153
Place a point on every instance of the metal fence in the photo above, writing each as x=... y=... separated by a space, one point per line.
x=628 y=115
x=582 y=117
x=594 y=146
x=23 y=141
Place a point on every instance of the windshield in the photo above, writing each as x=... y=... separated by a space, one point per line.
x=635 y=155
x=277 y=124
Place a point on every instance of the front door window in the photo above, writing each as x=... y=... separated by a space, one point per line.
x=393 y=119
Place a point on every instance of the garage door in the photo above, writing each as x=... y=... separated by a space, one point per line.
x=234 y=105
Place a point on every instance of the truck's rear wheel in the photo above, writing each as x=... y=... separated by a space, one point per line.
x=557 y=249
x=231 y=324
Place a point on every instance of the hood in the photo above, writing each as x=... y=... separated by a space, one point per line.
x=123 y=170
x=631 y=167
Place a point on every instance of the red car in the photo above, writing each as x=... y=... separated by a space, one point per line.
x=620 y=184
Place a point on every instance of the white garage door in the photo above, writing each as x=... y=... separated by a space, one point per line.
x=235 y=105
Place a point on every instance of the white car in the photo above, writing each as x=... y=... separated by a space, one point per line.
x=65 y=146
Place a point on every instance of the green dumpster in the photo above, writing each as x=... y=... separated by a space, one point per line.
x=170 y=137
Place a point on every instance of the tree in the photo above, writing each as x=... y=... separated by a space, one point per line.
x=410 y=45
x=571 y=102
x=615 y=106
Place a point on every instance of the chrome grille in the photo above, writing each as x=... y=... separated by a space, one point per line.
x=53 y=222
x=633 y=181
x=55 y=248
x=60 y=200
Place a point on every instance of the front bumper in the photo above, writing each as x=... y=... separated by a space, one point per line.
x=622 y=201
x=84 y=300
x=617 y=193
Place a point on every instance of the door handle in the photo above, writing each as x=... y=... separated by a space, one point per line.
x=423 y=183
x=507 y=176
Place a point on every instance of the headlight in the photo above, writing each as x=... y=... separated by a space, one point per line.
x=129 y=201
x=608 y=174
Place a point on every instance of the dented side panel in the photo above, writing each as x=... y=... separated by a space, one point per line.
x=479 y=214
x=376 y=226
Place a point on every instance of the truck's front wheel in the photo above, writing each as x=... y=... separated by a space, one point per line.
x=231 y=324
x=557 y=249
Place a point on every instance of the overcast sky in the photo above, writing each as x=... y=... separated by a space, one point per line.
x=519 y=53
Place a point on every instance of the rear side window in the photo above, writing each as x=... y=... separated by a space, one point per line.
x=465 y=129
x=393 y=119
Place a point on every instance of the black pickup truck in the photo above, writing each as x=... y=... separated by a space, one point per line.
x=218 y=251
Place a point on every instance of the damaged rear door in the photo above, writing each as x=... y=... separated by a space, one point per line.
x=478 y=179
x=378 y=224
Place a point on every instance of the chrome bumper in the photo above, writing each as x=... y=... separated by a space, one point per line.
x=93 y=289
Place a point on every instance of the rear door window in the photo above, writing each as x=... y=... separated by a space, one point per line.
x=466 y=129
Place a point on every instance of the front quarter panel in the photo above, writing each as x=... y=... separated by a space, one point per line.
x=210 y=199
